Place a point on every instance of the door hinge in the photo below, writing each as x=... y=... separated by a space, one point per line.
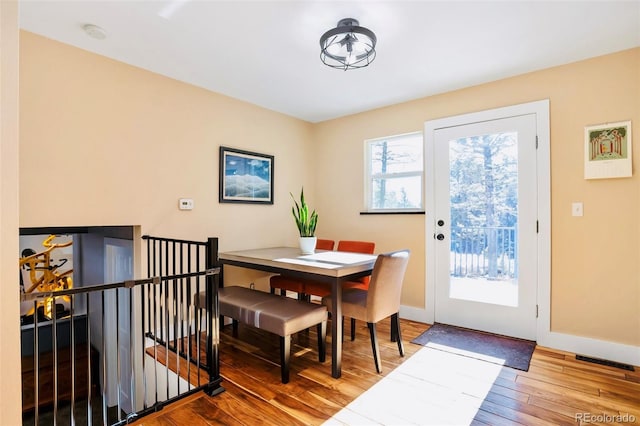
x=537 y=311
x=537 y=227
x=536 y=141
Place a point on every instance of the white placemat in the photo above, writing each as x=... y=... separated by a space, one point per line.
x=299 y=261
x=340 y=257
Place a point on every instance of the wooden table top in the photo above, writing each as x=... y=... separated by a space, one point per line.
x=323 y=262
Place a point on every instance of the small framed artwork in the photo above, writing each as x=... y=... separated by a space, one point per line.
x=607 y=151
x=245 y=177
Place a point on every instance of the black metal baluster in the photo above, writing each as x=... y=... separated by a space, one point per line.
x=181 y=299
x=118 y=375
x=201 y=309
x=186 y=302
x=143 y=303
x=73 y=361
x=212 y=307
x=89 y=372
x=166 y=341
x=154 y=331
x=55 y=360
x=176 y=315
x=192 y=322
x=160 y=273
x=36 y=367
x=132 y=358
x=105 y=384
x=155 y=346
x=180 y=313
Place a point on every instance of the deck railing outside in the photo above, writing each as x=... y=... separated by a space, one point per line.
x=489 y=252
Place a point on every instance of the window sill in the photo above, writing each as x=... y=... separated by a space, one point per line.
x=392 y=212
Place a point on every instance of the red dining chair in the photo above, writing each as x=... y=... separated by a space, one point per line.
x=312 y=288
x=357 y=247
x=323 y=290
x=324 y=244
x=285 y=283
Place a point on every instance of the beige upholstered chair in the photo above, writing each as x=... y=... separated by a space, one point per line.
x=380 y=301
x=323 y=289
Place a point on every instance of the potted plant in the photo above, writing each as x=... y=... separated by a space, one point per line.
x=306 y=223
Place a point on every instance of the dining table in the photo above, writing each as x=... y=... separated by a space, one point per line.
x=331 y=267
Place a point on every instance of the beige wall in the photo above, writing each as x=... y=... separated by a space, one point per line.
x=595 y=280
x=106 y=143
x=10 y=412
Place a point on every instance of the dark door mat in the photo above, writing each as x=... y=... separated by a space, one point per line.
x=507 y=351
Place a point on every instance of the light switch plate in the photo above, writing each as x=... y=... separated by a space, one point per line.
x=576 y=209
x=185 y=204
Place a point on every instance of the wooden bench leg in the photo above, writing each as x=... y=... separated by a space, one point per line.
x=285 y=353
x=322 y=341
x=234 y=328
x=353 y=329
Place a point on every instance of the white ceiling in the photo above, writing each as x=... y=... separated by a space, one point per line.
x=267 y=52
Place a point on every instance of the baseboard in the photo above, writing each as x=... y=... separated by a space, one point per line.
x=414 y=314
x=612 y=351
x=595 y=348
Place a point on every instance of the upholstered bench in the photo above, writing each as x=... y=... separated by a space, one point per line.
x=276 y=314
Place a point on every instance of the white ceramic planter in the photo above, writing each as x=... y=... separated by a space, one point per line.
x=307 y=245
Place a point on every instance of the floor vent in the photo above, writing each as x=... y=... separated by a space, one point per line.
x=606 y=362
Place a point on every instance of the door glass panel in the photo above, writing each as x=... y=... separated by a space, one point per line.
x=483 y=183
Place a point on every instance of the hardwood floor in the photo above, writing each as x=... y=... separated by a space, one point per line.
x=427 y=386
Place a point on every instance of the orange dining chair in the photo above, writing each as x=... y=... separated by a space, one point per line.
x=324 y=244
x=285 y=283
x=322 y=290
x=380 y=301
x=357 y=247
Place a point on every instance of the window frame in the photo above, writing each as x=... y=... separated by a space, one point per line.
x=369 y=177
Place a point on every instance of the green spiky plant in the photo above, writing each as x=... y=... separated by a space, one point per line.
x=305 y=222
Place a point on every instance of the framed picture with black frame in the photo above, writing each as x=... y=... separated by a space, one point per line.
x=245 y=177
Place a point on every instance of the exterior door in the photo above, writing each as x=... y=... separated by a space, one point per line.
x=485 y=228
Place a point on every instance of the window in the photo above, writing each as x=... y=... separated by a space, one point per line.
x=394 y=173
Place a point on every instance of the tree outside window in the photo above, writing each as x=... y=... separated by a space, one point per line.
x=395 y=167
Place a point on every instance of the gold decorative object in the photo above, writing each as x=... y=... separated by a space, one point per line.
x=45 y=277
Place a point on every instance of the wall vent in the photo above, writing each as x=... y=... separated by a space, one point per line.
x=605 y=362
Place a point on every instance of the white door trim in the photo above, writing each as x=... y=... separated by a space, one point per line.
x=541 y=109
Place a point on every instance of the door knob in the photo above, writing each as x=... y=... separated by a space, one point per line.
x=440 y=237
x=440 y=222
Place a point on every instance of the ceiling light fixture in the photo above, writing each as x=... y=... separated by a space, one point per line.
x=348 y=46
x=94 y=31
